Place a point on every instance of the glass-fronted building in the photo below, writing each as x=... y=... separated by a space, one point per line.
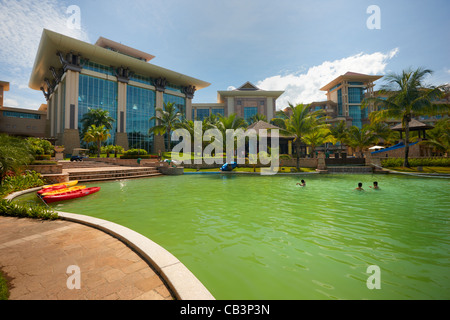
x=76 y=76
x=348 y=92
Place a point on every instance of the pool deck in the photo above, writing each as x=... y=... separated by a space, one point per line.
x=115 y=263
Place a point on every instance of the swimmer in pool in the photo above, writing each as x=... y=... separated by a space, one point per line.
x=303 y=184
x=359 y=187
x=375 y=186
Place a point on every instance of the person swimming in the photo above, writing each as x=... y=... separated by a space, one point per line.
x=360 y=188
x=302 y=184
x=375 y=186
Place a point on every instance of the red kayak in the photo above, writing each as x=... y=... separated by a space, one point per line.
x=71 y=195
x=51 y=189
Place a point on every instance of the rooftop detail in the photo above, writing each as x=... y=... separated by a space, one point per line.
x=351 y=76
x=121 y=48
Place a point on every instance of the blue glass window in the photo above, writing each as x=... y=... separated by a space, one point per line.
x=180 y=103
x=218 y=112
x=340 y=111
x=142 y=79
x=355 y=113
x=202 y=114
x=93 y=66
x=140 y=108
x=250 y=112
x=22 y=115
x=97 y=93
x=355 y=95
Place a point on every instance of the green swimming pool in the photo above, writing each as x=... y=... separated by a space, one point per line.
x=264 y=237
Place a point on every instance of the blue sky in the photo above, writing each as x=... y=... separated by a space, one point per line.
x=291 y=45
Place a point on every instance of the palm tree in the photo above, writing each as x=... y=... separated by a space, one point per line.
x=407 y=97
x=340 y=132
x=360 y=138
x=167 y=119
x=318 y=136
x=256 y=118
x=98 y=117
x=301 y=122
x=14 y=154
x=232 y=122
x=97 y=135
x=439 y=137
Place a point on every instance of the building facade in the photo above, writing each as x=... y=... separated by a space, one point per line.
x=76 y=76
x=22 y=122
x=245 y=101
x=344 y=98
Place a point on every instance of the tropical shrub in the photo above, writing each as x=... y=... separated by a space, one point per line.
x=41 y=147
x=13 y=183
x=11 y=209
x=15 y=153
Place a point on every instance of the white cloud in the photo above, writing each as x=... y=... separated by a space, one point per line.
x=21 y=25
x=21 y=28
x=305 y=87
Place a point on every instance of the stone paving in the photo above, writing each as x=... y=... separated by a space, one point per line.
x=35 y=256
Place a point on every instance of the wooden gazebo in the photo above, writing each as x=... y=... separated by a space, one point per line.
x=414 y=125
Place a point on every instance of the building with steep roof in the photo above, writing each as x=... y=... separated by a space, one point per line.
x=245 y=101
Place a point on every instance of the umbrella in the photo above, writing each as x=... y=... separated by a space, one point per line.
x=376 y=147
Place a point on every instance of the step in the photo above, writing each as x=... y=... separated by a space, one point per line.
x=109 y=171
x=123 y=174
x=356 y=169
x=85 y=180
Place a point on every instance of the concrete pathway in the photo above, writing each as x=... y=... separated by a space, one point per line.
x=35 y=256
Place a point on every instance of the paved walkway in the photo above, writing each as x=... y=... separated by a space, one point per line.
x=35 y=256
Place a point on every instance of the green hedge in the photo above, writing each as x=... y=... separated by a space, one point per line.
x=43 y=157
x=134 y=152
x=416 y=162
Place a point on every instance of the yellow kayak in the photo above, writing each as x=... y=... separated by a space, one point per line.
x=67 y=184
x=52 y=193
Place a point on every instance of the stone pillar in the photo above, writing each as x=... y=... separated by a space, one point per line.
x=321 y=164
x=189 y=109
x=121 y=134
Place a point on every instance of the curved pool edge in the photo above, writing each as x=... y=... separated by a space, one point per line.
x=181 y=281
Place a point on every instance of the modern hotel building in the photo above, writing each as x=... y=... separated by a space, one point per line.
x=345 y=95
x=75 y=76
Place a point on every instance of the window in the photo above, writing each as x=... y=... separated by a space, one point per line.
x=218 y=112
x=97 y=93
x=340 y=111
x=23 y=115
x=180 y=103
x=356 y=113
x=140 y=108
x=250 y=112
x=202 y=114
x=355 y=95
x=99 y=68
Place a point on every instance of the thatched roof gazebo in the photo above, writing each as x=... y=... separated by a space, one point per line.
x=414 y=125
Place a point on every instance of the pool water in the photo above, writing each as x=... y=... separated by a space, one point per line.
x=264 y=237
